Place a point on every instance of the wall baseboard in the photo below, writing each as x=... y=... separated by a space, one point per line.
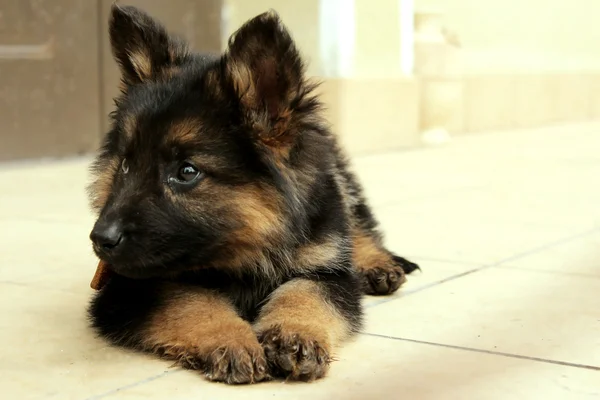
x=372 y=115
x=383 y=114
x=512 y=101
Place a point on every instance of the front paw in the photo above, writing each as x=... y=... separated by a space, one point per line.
x=233 y=364
x=383 y=280
x=294 y=356
x=386 y=279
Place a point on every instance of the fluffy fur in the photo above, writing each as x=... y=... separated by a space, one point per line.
x=241 y=243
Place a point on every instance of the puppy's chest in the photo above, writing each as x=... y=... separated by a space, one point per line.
x=247 y=293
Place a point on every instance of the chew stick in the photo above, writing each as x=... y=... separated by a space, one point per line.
x=102 y=275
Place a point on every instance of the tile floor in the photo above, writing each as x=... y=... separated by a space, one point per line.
x=506 y=227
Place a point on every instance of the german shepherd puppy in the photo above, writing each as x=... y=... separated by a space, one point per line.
x=239 y=241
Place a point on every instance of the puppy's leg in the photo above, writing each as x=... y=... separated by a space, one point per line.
x=196 y=327
x=383 y=272
x=302 y=323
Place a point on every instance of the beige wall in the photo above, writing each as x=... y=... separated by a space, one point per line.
x=376 y=37
x=301 y=18
x=496 y=35
x=525 y=63
x=524 y=35
x=377 y=51
x=375 y=108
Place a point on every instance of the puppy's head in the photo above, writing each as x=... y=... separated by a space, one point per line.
x=197 y=169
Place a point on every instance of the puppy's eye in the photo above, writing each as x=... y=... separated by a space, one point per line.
x=187 y=173
x=124 y=166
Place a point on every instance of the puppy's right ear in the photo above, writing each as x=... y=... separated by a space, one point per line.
x=141 y=46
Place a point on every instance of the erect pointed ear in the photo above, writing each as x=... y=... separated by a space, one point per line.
x=267 y=74
x=141 y=45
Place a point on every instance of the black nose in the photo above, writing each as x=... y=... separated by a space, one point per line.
x=107 y=235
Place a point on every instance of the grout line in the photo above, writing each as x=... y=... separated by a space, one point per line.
x=132 y=385
x=491 y=352
x=514 y=257
x=437 y=193
x=405 y=293
x=544 y=271
x=442 y=260
x=547 y=246
x=15 y=283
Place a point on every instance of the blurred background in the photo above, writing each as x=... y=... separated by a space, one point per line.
x=408 y=72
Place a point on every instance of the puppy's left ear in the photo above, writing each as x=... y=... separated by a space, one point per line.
x=141 y=45
x=267 y=75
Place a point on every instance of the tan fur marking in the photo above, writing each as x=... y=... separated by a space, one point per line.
x=381 y=273
x=278 y=133
x=299 y=330
x=123 y=85
x=212 y=79
x=184 y=131
x=129 y=125
x=298 y=307
x=170 y=71
x=201 y=330
x=243 y=84
x=197 y=319
x=272 y=127
x=142 y=65
x=317 y=255
x=173 y=53
x=367 y=253
x=213 y=85
x=258 y=211
x=101 y=188
x=177 y=51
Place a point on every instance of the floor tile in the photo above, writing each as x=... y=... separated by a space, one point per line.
x=31 y=250
x=48 y=351
x=512 y=311
x=375 y=368
x=45 y=191
x=432 y=272
x=444 y=229
x=524 y=199
x=410 y=176
x=580 y=256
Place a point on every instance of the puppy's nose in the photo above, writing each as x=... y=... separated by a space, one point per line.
x=107 y=235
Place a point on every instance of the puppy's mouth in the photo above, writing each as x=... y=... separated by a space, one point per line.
x=145 y=267
x=138 y=271
x=136 y=260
